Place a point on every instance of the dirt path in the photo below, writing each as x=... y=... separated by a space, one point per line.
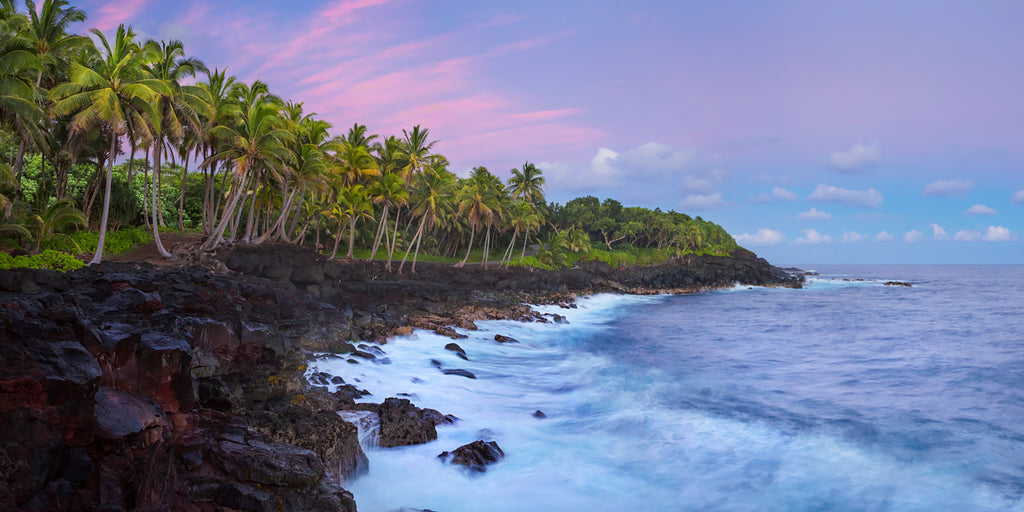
x=176 y=244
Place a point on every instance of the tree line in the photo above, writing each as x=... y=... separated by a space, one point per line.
x=262 y=168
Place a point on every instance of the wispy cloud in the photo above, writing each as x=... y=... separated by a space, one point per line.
x=778 y=194
x=884 y=236
x=111 y=14
x=938 y=233
x=980 y=209
x=913 y=236
x=814 y=214
x=947 y=188
x=702 y=202
x=869 y=198
x=1018 y=197
x=859 y=158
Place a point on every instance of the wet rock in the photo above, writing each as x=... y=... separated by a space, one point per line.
x=559 y=319
x=438 y=418
x=459 y=372
x=404 y=424
x=897 y=283
x=454 y=347
x=504 y=339
x=539 y=414
x=476 y=456
x=450 y=332
x=337 y=380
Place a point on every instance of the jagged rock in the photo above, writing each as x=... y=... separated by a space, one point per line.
x=438 y=418
x=403 y=424
x=120 y=414
x=539 y=414
x=475 y=456
x=504 y=339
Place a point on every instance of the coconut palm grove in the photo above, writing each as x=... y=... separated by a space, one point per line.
x=109 y=141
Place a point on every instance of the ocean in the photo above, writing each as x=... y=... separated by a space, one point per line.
x=847 y=395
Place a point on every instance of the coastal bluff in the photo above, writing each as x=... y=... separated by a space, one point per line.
x=126 y=386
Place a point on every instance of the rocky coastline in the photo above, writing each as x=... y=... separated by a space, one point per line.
x=131 y=387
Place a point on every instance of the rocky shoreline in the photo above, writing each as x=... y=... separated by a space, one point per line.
x=129 y=387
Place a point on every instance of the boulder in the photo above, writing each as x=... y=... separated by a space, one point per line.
x=404 y=424
x=475 y=456
x=120 y=414
x=457 y=371
x=500 y=338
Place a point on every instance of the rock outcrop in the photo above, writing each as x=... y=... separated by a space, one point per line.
x=475 y=456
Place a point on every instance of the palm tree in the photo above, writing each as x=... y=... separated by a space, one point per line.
x=107 y=95
x=521 y=217
x=415 y=150
x=52 y=221
x=256 y=141
x=352 y=162
x=478 y=200
x=387 y=190
x=433 y=191
x=528 y=184
x=47 y=33
x=175 y=109
x=355 y=205
x=219 y=110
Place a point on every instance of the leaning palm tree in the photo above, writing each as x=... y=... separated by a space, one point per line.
x=256 y=141
x=355 y=205
x=528 y=185
x=117 y=88
x=521 y=217
x=387 y=190
x=434 y=191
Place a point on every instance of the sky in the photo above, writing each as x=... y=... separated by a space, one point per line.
x=814 y=132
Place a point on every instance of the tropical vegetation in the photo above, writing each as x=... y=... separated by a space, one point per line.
x=107 y=134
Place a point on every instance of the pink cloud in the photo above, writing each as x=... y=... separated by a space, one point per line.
x=544 y=115
x=114 y=13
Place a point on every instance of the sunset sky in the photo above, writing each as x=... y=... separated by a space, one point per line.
x=814 y=132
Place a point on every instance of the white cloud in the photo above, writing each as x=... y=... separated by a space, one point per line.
x=781 y=194
x=778 y=194
x=813 y=237
x=814 y=214
x=869 y=198
x=966 y=236
x=858 y=158
x=884 y=236
x=1018 y=197
x=992 y=234
x=938 y=233
x=980 y=209
x=700 y=202
x=850 y=237
x=762 y=237
x=996 y=234
x=913 y=236
x=947 y=188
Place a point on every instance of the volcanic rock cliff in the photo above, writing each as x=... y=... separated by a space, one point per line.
x=128 y=387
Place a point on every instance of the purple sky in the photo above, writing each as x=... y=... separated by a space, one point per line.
x=815 y=132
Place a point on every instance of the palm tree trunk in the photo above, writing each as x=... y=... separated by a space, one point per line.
x=214 y=239
x=382 y=228
x=415 y=240
x=98 y=255
x=393 y=243
x=145 y=189
x=506 y=259
x=251 y=220
x=526 y=238
x=462 y=263
x=487 y=246
x=181 y=198
x=157 y=147
x=337 y=239
x=351 y=237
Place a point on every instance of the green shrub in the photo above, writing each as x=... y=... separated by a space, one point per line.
x=50 y=259
x=119 y=241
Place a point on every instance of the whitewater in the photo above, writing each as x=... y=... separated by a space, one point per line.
x=846 y=395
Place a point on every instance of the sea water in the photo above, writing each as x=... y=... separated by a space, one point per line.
x=846 y=395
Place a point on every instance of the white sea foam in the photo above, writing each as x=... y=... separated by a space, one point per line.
x=608 y=443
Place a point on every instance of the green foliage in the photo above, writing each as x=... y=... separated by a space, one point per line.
x=119 y=241
x=49 y=259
